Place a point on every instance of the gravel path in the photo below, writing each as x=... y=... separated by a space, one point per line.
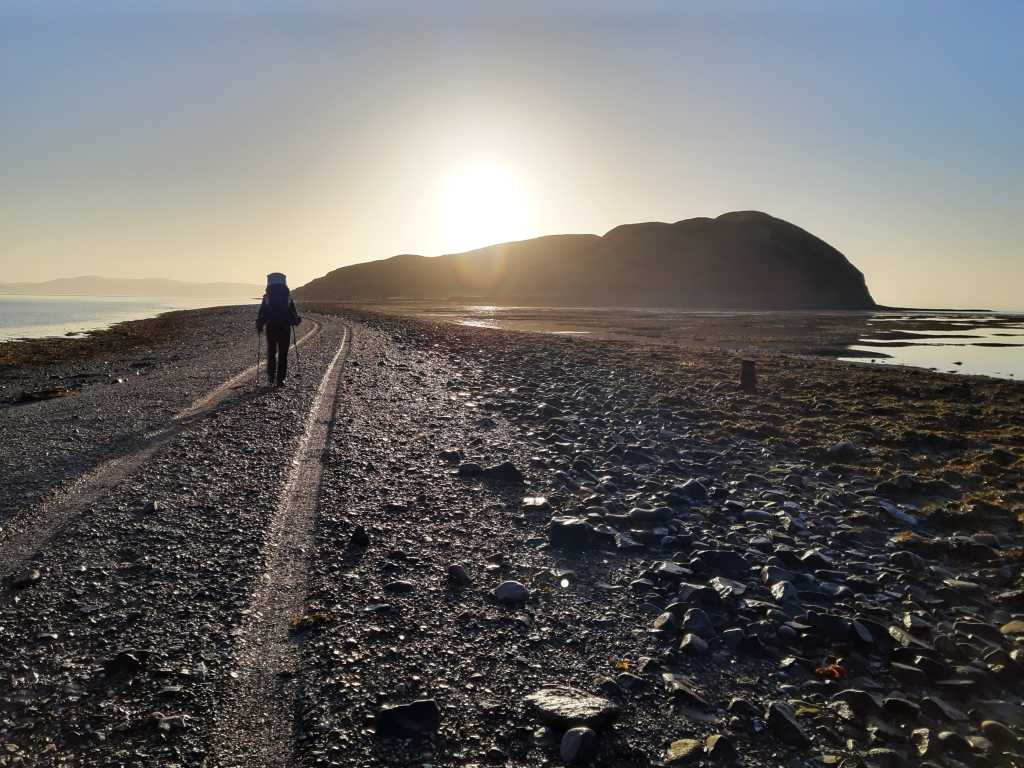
x=258 y=716
x=23 y=533
x=126 y=640
x=116 y=399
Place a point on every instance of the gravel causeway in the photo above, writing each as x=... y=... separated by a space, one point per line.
x=452 y=546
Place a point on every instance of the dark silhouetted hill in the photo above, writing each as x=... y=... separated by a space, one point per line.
x=740 y=260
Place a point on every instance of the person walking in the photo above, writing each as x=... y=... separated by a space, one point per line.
x=278 y=314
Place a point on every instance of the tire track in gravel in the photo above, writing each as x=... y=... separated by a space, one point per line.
x=258 y=721
x=21 y=537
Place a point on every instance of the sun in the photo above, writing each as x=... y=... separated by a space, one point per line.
x=482 y=205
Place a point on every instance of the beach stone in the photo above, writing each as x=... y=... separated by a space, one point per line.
x=921 y=738
x=505 y=472
x=814 y=558
x=395 y=721
x=903 y=710
x=998 y=733
x=25 y=578
x=645 y=516
x=720 y=749
x=698 y=622
x=511 y=592
x=782 y=722
x=671 y=571
x=693 y=489
x=570 y=533
x=630 y=683
x=742 y=708
x=733 y=638
x=666 y=622
x=699 y=594
x=684 y=752
x=772 y=573
x=844 y=450
x=938 y=709
x=536 y=504
x=1012 y=598
x=693 y=644
x=564 y=707
x=721 y=561
x=896 y=513
x=951 y=741
x=908 y=561
x=123 y=664
x=578 y=746
x=728 y=588
x=861 y=702
x=360 y=538
x=682 y=691
x=458 y=576
x=907 y=674
x=470 y=469
x=784 y=592
x=1013 y=628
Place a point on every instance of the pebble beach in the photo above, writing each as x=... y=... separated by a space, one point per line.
x=501 y=548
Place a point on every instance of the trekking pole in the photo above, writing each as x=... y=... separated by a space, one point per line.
x=259 y=339
x=295 y=346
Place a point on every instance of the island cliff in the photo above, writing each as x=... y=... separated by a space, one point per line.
x=739 y=260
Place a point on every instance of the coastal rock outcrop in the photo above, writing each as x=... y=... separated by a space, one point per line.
x=739 y=260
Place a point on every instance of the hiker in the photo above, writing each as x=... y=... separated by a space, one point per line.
x=278 y=314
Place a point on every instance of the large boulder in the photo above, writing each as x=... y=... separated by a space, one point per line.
x=563 y=707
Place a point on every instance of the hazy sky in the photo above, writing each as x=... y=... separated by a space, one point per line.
x=220 y=141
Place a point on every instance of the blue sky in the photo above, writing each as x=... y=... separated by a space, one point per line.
x=224 y=140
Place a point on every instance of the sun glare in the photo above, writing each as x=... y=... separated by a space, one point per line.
x=483 y=205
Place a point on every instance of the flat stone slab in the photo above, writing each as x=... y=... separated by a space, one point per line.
x=563 y=707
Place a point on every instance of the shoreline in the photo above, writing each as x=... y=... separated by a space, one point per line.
x=56 y=316
x=835 y=338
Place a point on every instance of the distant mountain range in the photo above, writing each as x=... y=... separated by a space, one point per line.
x=93 y=285
x=739 y=260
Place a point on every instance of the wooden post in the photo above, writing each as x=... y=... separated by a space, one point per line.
x=748 y=376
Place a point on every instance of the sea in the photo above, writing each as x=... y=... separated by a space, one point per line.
x=970 y=343
x=34 y=317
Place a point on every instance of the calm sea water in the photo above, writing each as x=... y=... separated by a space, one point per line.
x=38 y=316
x=986 y=344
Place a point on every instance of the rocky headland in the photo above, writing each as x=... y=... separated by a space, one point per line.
x=743 y=259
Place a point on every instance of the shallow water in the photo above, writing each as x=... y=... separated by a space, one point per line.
x=968 y=343
x=952 y=342
x=41 y=316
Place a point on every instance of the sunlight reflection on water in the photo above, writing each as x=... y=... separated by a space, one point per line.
x=968 y=343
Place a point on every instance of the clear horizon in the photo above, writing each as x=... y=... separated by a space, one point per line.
x=216 y=142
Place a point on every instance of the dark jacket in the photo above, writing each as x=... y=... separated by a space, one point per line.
x=271 y=309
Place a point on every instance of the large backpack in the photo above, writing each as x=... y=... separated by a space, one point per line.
x=276 y=308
